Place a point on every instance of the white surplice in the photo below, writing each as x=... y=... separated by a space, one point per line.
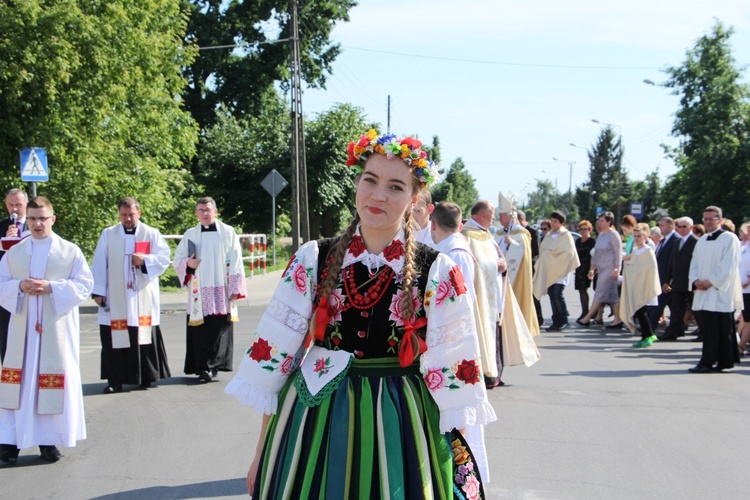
x=24 y=427
x=156 y=263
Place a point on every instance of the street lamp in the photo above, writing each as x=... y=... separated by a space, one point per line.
x=608 y=124
x=570 y=179
x=551 y=173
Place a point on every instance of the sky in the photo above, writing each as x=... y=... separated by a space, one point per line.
x=508 y=85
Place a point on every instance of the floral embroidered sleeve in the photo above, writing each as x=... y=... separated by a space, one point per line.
x=451 y=365
x=276 y=347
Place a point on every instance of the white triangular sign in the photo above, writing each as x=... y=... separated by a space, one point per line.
x=33 y=165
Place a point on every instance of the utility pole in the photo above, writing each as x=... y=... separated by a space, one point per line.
x=300 y=219
x=388 y=131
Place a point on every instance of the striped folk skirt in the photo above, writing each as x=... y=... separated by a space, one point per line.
x=375 y=436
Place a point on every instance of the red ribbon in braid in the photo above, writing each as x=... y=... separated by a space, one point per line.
x=412 y=344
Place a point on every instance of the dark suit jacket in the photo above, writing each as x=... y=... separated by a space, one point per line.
x=4 y=224
x=664 y=256
x=534 y=240
x=679 y=267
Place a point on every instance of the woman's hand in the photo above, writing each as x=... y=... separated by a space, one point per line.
x=615 y=273
x=251 y=473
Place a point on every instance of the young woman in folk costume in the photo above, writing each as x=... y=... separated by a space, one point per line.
x=393 y=371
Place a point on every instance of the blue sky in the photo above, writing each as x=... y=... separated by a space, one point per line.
x=508 y=84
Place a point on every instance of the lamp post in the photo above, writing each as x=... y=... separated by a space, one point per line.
x=570 y=178
x=551 y=173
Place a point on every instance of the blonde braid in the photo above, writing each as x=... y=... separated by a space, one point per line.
x=410 y=251
x=330 y=282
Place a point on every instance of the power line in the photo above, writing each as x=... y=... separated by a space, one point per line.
x=501 y=63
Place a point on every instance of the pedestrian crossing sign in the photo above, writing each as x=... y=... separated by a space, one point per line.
x=34 y=165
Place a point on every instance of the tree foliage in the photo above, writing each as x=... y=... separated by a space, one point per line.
x=712 y=124
x=235 y=80
x=543 y=201
x=95 y=83
x=607 y=185
x=458 y=187
x=331 y=183
x=236 y=154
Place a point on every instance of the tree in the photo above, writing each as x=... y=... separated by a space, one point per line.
x=648 y=192
x=236 y=154
x=96 y=84
x=331 y=202
x=235 y=80
x=543 y=201
x=607 y=185
x=458 y=187
x=712 y=124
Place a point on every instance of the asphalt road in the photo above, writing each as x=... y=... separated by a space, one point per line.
x=593 y=419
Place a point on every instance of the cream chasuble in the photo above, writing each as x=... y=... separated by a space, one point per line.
x=557 y=259
x=640 y=284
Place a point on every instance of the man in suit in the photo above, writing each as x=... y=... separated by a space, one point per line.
x=664 y=252
x=676 y=284
x=534 y=257
x=15 y=202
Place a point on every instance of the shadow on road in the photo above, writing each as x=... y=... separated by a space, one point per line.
x=210 y=489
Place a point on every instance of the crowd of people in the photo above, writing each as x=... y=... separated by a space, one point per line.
x=43 y=280
x=372 y=362
x=699 y=272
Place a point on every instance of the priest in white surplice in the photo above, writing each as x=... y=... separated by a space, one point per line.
x=43 y=279
x=208 y=262
x=717 y=293
x=128 y=261
x=446 y=234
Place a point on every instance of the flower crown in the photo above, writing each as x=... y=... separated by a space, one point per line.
x=407 y=148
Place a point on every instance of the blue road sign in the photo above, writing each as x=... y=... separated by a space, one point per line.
x=34 y=165
x=636 y=209
x=599 y=211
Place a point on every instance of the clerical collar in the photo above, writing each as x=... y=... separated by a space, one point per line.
x=210 y=228
x=130 y=231
x=714 y=235
x=471 y=223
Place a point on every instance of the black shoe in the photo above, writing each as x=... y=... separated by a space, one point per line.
x=700 y=369
x=699 y=338
x=9 y=453
x=563 y=327
x=587 y=323
x=667 y=338
x=615 y=326
x=111 y=389
x=50 y=453
x=145 y=385
x=214 y=372
x=204 y=376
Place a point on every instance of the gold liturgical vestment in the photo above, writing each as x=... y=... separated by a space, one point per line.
x=520 y=274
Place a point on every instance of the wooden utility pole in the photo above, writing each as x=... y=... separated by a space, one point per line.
x=300 y=218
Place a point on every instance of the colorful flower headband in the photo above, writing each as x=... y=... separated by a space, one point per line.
x=408 y=149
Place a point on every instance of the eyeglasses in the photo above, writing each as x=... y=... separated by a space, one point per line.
x=34 y=220
x=683 y=227
x=584 y=229
x=203 y=210
x=709 y=219
x=545 y=229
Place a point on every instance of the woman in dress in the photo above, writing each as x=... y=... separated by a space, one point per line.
x=606 y=264
x=640 y=286
x=394 y=367
x=582 y=280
